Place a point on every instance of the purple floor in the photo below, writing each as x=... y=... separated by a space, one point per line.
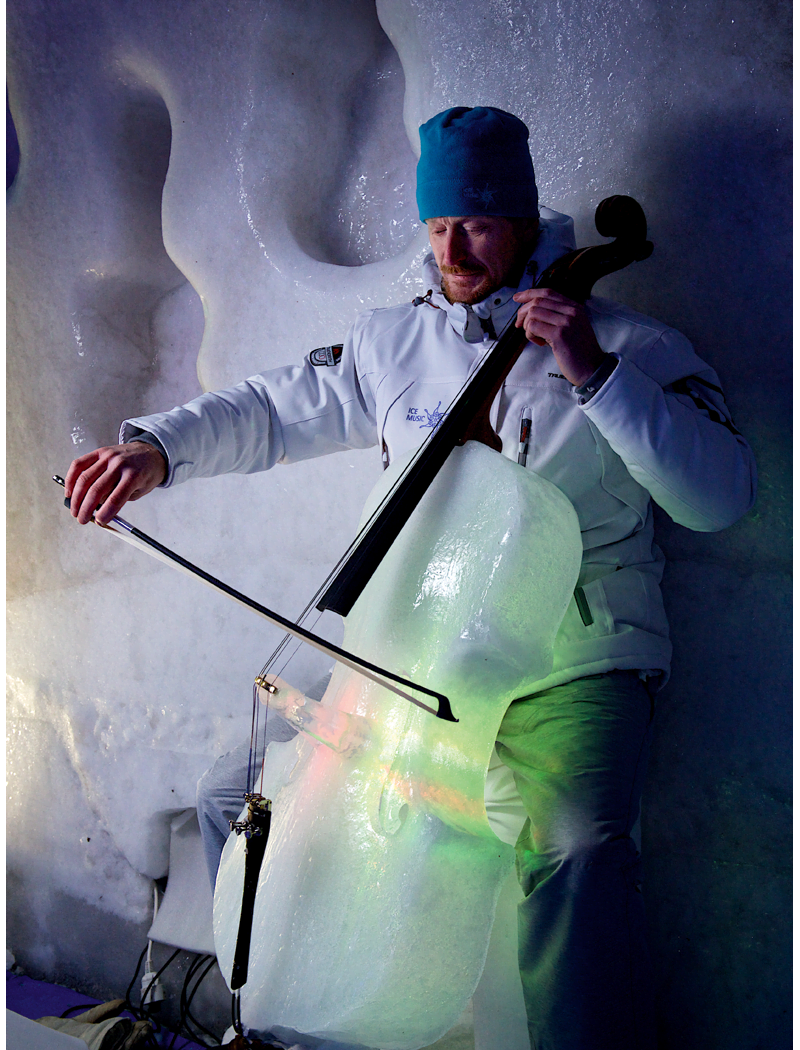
x=35 y=999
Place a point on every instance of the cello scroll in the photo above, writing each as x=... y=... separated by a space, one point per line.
x=574 y=274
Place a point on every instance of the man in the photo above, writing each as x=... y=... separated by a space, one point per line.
x=610 y=406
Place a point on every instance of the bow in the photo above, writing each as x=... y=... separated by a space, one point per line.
x=125 y=531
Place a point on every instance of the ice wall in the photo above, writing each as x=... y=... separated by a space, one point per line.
x=205 y=190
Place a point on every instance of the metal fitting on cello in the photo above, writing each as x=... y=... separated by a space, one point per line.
x=262 y=683
x=259 y=813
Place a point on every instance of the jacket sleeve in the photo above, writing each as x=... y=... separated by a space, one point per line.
x=676 y=437
x=280 y=416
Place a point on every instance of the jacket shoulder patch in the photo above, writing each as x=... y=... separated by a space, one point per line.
x=326 y=355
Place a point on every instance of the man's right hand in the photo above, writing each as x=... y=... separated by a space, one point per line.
x=109 y=477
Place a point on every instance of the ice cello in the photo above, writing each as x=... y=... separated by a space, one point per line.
x=377 y=892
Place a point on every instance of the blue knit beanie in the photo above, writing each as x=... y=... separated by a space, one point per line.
x=475 y=162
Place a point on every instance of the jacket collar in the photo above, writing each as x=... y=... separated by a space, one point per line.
x=485 y=320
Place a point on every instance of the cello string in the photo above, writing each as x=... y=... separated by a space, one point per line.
x=291 y=656
x=250 y=754
x=285 y=641
x=268 y=667
x=287 y=637
x=274 y=655
x=263 y=752
x=476 y=366
x=253 y=756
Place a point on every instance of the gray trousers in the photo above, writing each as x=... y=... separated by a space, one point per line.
x=578 y=753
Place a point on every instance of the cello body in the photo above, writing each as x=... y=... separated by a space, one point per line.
x=376 y=895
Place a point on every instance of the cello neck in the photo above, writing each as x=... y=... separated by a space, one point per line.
x=354 y=575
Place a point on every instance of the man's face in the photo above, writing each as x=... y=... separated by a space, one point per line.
x=477 y=254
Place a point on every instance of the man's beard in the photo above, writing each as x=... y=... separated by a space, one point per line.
x=479 y=292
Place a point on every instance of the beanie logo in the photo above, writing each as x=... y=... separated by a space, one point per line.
x=485 y=196
x=326 y=355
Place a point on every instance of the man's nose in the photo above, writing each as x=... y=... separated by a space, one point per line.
x=454 y=251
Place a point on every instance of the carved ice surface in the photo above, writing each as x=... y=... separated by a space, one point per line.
x=277 y=122
x=379 y=884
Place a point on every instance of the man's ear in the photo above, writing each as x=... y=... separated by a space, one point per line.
x=527 y=231
x=531 y=229
x=524 y=226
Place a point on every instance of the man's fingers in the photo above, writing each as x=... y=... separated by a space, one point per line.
x=132 y=485
x=113 y=503
x=109 y=494
x=102 y=482
x=85 y=494
x=540 y=333
x=542 y=324
x=532 y=294
x=76 y=468
x=546 y=315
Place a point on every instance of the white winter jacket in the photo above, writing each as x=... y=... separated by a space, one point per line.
x=658 y=427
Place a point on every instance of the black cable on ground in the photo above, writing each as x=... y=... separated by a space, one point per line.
x=152 y=984
x=210 y=963
x=141 y=1012
x=195 y=965
x=189 y=1015
x=128 y=1005
x=133 y=979
x=186 y=999
x=150 y=1043
x=145 y=1010
x=83 y=1007
x=201 y=1028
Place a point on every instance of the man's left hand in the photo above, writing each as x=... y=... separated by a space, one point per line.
x=552 y=319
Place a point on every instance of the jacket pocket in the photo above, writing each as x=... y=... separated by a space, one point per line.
x=385 y=452
x=635 y=597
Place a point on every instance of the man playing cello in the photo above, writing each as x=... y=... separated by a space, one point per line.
x=613 y=408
